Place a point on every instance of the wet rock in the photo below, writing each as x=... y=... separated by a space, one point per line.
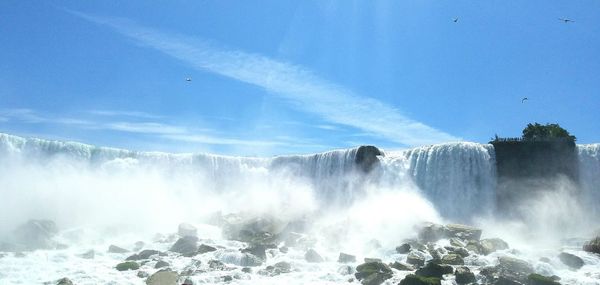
x=216 y=265
x=88 y=254
x=205 y=248
x=573 y=261
x=247 y=270
x=435 y=253
x=254 y=230
x=128 y=265
x=346 y=258
x=474 y=246
x=493 y=244
x=346 y=270
x=64 y=281
x=537 y=279
x=457 y=242
x=430 y=232
x=189 y=281
x=370 y=259
x=257 y=250
x=163 y=277
x=277 y=269
x=415 y=244
x=433 y=269
x=404 y=248
x=514 y=264
x=142 y=274
x=312 y=256
x=593 y=245
x=184 y=230
x=416 y=258
x=284 y=249
x=161 y=264
x=187 y=246
x=412 y=279
x=464 y=275
x=453 y=259
x=144 y=254
x=227 y=278
x=463 y=232
x=402 y=266
x=511 y=269
x=115 y=249
x=366 y=157
x=36 y=234
x=463 y=252
x=373 y=273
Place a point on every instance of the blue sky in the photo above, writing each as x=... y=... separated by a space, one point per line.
x=279 y=77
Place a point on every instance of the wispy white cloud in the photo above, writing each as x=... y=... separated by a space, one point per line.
x=146 y=128
x=116 y=113
x=298 y=85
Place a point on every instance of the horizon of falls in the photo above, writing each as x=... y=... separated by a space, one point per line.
x=459 y=179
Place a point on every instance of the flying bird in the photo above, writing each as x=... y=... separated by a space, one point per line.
x=566 y=20
x=188 y=79
x=523 y=100
x=455 y=19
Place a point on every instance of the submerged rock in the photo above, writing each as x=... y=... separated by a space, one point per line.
x=412 y=279
x=185 y=229
x=163 y=277
x=127 y=265
x=346 y=258
x=187 y=246
x=433 y=269
x=115 y=249
x=464 y=275
x=537 y=279
x=312 y=256
x=593 y=245
x=571 y=260
x=493 y=244
x=373 y=273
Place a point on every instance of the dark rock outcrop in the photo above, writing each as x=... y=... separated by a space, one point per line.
x=464 y=275
x=404 y=248
x=161 y=264
x=453 y=259
x=187 y=246
x=144 y=254
x=593 y=245
x=537 y=279
x=412 y=279
x=416 y=258
x=433 y=269
x=205 y=248
x=64 y=281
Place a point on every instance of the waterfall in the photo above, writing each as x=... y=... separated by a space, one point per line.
x=589 y=175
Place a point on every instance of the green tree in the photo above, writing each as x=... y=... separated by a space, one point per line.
x=548 y=131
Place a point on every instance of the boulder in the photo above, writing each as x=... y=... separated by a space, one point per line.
x=463 y=232
x=514 y=264
x=115 y=249
x=573 y=261
x=430 y=232
x=249 y=259
x=511 y=271
x=412 y=279
x=463 y=252
x=216 y=265
x=36 y=234
x=161 y=264
x=346 y=258
x=64 y=281
x=255 y=230
x=416 y=258
x=464 y=275
x=404 y=248
x=312 y=256
x=371 y=259
x=492 y=244
x=184 y=230
x=593 y=245
x=277 y=269
x=453 y=259
x=474 y=246
x=257 y=250
x=537 y=279
x=128 y=265
x=402 y=266
x=142 y=274
x=186 y=245
x=144 y=254
x=457 y=242
x=373 y=273
x=433 y=269
x=163 y=277
x=205 y=248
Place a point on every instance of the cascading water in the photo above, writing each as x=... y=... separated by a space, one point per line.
x=589 y=175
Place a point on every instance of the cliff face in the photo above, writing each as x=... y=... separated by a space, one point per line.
x=524 y=168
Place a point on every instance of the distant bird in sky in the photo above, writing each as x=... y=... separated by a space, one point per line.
x=188 y=79
x=523 y=100
x=455 y=19
x=566 y=20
